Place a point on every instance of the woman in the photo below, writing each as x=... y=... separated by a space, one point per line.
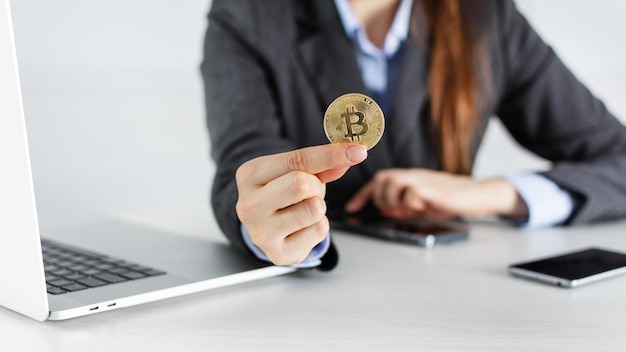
x=439 y=69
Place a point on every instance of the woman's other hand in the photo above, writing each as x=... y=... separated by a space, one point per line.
x=281 y=198
x=436 y=194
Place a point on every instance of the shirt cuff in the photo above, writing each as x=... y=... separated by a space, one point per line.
x=548 y=204
x=312 y=260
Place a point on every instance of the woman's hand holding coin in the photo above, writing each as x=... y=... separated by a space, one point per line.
x=281 y=197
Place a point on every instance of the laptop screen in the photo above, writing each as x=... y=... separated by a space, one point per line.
x=21 y=263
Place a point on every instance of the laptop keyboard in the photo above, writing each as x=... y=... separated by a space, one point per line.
x=69 y=270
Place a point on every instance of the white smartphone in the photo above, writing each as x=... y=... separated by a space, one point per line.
x=573 y=269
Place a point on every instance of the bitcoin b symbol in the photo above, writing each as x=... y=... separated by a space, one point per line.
x=354 y=117
x=355 y=129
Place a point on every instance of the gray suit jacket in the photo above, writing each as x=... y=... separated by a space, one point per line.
x=272 y=67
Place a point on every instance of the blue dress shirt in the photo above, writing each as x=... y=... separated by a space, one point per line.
x=548 y=204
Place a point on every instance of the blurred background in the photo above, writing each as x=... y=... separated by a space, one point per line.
x=114 y=102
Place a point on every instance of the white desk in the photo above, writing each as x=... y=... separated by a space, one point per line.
x=382 y=297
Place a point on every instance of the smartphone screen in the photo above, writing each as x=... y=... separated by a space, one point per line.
x=417 y=231
x=573 y=269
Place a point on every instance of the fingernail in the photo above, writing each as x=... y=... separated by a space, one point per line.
x=356 y=153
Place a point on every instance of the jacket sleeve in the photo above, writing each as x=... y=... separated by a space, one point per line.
x=243 y=111
x=242 y=117
x=551 y=113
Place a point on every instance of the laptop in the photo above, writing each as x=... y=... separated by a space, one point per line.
x=97 y=268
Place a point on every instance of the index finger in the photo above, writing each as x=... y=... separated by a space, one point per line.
x=310 y=159
x=360 y=199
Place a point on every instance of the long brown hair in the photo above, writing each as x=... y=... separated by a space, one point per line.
x=455 y=51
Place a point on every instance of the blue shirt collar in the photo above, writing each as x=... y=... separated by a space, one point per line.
x=397 y=34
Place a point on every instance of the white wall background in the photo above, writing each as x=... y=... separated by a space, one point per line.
x=115 y=109
x=114 y=106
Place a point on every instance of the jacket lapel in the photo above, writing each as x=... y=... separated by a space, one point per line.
x=326 y=53
x=328 y=57
x=410 y=137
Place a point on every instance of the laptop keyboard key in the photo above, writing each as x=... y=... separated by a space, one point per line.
x=91 y=271
x=92 y=282
x=104 y=266
x=55 y=290
x=74 y=276
x=65 y=263
x=50 y=267
x=118 y=269
x=113 y=261
x=60 y=282
x=51 y=277
x=78 y=267
x=74 y=287
x=110 y=278
x=91 y=262
x=133 y=275
x=61 y=272
x=153 y=272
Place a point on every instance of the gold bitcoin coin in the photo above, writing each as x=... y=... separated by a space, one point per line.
x=354 y=117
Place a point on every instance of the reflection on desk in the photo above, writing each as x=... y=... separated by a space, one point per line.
x=383 y=296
